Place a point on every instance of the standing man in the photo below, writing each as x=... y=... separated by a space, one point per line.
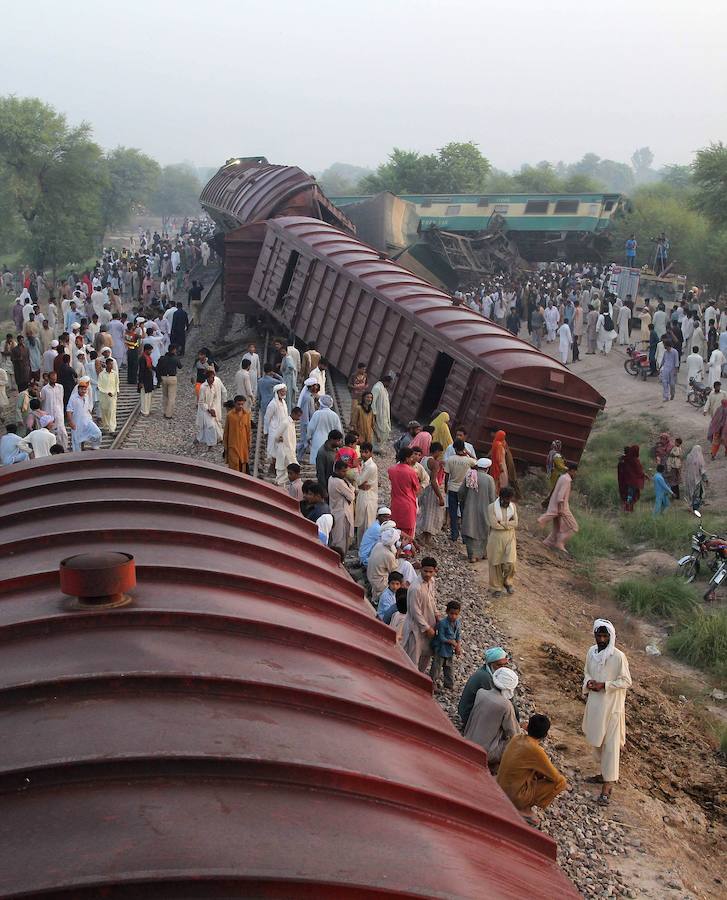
x=167 y=369
x=255 y=372
x=577 y=329
x=179 y=328
x=382 y=411
x=236 y=437
x=367 y=496
x=606 y=679
x=421 y=616
x=51 y=399
x=83 y=429
x=631 y=247
x=212 y=395
x=668 y=371
x=108 y=393
x=565 y=339
x=591 y=330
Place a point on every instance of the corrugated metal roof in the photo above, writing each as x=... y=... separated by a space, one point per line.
x=244 y=192
x=493 y=348
x=243 y=727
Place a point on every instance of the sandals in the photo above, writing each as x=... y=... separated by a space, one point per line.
x=604 y=800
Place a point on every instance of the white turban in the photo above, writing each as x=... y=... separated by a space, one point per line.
x=484 y=463
x=54 y=344
x=278 y=387
x=84 y=379
x=45 y=420
x=389 y=536
x=599 y=658
x=505 y=680
x=309 y=382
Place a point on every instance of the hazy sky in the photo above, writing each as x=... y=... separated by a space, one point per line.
x=311 y=82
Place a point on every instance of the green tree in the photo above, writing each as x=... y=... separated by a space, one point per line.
x=578 y=183
x=676 y=176
x=131 y=179
x=710 y=180
x=53 y=174
x=176 y=193
x=455 y=168
x=540 y=179
x=642 y=160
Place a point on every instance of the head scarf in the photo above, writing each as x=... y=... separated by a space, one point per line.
x=442 y=434
x=421 y=441
x=555 y=449
x=324 y=524
x=599 y=659
x=694 y=468
x=309 y=382
x=387 y=525
x=630 y=471
x=505 y=680
x=45 y=420
x=497 y=452
x=326 y=401
x=278 y=388
x=663 y=446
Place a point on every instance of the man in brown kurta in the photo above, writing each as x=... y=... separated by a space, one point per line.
x=236 y=436
x=526 y=774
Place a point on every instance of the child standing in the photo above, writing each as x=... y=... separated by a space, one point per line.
x=663 y=492
x=446 y=643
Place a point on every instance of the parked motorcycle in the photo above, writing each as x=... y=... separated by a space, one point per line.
x=637 y=362
x=710 y=550
x=698 y=393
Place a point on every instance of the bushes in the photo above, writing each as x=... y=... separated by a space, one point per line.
x=661 y=598
x=702 y=642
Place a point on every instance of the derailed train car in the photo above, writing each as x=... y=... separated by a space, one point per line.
x=355 y=305
x=225 y=717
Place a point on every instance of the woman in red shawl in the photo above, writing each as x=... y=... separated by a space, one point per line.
x=631 y=477
x=663 y=448
x=498 y=454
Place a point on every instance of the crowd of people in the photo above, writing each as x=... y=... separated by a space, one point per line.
x=127 y=317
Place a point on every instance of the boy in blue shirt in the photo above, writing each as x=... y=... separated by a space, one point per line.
x=387 y=601
x=446 y=643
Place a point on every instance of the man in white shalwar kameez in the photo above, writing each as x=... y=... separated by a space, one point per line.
x=622 y=323
x=367 y=497
x=80 y=406
x=212 y=395
x=551 y=317
x=323 y=421
x=565 y=339
x=243 y=386
x=605 y=681
x=51 y=400
x=716 y=361
x=284 y=447
x=255 y=370
x=381 y=406
x=421 y=616
x=116 y=330
x=319 y=373
x=276 y=415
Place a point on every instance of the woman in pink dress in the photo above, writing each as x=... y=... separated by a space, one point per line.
x=404 y=491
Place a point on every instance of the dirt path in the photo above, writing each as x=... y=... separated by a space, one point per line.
x=629 y=398
x=672 y=799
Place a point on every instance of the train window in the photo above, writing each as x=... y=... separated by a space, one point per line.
x=287 y=279
x=536 y=207
x=501 y=208
x=566 y=206
x=426 y=201
x=453 y=210
x=483 y=201
x=608 y=205
x=435 y=388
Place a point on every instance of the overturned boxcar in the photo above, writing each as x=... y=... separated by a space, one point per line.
x=328 y=288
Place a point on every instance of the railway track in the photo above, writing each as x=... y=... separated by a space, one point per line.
x=128 y=408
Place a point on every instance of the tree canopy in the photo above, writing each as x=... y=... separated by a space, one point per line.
x=710 y=179
x=176 y=192
x=456 y=167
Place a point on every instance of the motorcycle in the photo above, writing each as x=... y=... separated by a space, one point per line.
x=698 y=393
x=703 y=545
x=637 y=362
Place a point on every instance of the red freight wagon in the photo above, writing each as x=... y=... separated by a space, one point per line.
x=355 y=305
x=215 y=711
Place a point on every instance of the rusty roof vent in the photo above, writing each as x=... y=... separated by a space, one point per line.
x=98 y=580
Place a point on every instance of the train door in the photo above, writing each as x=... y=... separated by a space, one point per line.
x=435 y=386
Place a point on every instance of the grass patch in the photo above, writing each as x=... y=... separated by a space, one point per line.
x=723 y=742
x=702 y=642
x=671 y=531
x=596 y=537
x=657 y=598
x=599 y=488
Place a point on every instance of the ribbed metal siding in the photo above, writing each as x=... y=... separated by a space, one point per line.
x=245 y=722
